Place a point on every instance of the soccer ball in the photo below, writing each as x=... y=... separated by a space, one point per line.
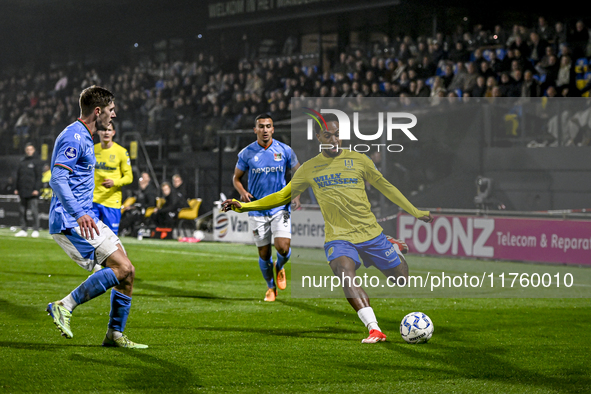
x=199 y=235
x=416 y=327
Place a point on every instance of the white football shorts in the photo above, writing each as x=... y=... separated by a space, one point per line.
x=88 y=252
x=267 y=228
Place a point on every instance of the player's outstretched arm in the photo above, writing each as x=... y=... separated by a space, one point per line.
x=277 y=199
x=378 y=181
x=394 y=195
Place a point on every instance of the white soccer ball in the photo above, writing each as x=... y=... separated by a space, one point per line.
x=199 y=235
x=416 y=327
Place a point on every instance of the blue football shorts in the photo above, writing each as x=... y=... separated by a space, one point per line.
x=109 y=216
x=378 y=252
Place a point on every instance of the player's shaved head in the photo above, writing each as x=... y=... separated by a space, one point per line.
x=94 y=96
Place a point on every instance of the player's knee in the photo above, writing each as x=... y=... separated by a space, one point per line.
x=127 y=272
x=342 y=270
x=122 y=267
x=265 y=252
x=282 y=248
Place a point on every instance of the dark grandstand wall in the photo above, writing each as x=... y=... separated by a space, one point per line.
x=540 y=179
x=524 y=179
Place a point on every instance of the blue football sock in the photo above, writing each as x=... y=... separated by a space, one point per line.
x=120 y=306
x=96 y=284
x=282 y=260
x=267 y=270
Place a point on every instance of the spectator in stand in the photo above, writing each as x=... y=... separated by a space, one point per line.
x=494 y=63
x=560 y=37
x=551 y=71
x=537 y=47
x=485 y=70
x=422 y=90
x=542 y=65
x=145 y=197
x=499 y=36
x=459 y=53
x=179 y=186
x=517 y=77
x=438 y=87
x=470 y=77
x=579 y=38
x=530 y=87
x=459 y=77
x=491 y=84
x=544 y=30
x=566 y=74
x=520 y=44
x=507 y=86
x=448 y=75
x=166 y=215
x=480 y=88
x=427 y=68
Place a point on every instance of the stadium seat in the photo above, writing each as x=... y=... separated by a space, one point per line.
x=150 y=210
x=188 y=215
x=129 y=201
x=192 y=211
x=540 y=78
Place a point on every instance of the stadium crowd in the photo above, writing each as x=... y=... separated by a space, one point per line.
x=189 y=100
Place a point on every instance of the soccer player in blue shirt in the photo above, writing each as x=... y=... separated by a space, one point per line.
x=266 y=161
x=75 y=227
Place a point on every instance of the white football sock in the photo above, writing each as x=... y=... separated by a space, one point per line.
x=368 y=318
x=112 y=334
x=69 y=303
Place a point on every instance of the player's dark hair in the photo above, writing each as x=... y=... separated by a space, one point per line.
x=328 y=118
x=93 y=97
x=263 y=116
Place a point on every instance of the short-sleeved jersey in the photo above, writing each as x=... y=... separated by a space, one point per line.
x=266 y=168
x=74 y=151
x=339 y=187
x=111 y=163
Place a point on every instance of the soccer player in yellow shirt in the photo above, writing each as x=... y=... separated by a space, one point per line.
x=112 y=171
x=337 y=179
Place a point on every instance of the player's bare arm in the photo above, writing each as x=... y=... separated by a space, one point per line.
x=108 y=183
x=295 y=203
x=236 y=180
x=274 y=200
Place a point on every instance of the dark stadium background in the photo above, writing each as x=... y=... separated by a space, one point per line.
x=105 y=34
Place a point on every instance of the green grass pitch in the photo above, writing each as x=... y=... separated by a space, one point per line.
x=199 y=308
